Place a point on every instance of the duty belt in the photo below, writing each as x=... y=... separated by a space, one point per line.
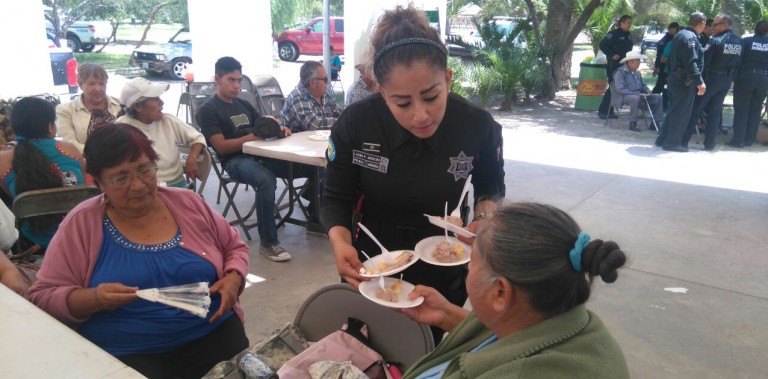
x=728 y=72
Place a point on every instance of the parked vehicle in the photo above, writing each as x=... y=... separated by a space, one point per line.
x=651 y=37
x=63 y=66
x=168 y=58
x=308 y=40
x=83 y=35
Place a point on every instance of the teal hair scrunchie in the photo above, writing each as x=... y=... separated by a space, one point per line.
x=578 y=247
x=20 y=139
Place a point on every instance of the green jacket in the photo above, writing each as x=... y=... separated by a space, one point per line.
x=575 y=344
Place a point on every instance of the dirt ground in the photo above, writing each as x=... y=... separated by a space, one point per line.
x=559 y=116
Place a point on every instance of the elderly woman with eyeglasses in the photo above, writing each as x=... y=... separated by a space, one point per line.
x=134 y=236
x=530 y=274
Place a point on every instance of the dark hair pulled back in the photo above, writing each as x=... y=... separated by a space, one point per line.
x=31 y=119
x=529 y=244
x=399 y=24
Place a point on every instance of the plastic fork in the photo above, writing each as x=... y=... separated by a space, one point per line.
x=381 y=277
x=457 y=212
x=384 y=251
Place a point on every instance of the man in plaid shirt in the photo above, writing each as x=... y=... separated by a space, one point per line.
x=309 y=106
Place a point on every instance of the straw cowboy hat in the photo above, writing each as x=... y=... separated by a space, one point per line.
x=632 y=55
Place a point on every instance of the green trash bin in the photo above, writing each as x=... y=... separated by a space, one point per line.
x=592 y=86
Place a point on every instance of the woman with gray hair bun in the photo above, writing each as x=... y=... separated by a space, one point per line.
x=530 y=274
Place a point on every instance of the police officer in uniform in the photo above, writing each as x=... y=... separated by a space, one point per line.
x=750 y=87
x=661 y=80
x=722 y=58
x=615 y=45
x=684 y=84
x=408 y=150
x=709 y=29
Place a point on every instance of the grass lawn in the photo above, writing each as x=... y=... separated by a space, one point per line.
x=158 y=33
x=108 y=61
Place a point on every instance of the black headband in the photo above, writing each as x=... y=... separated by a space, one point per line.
x=405 y=42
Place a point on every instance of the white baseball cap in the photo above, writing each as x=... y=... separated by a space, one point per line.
x=137 y=88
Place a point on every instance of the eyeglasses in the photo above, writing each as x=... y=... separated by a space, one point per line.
x=325 y=79
x=145 y=174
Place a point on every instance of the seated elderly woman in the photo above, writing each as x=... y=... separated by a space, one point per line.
x=38 y=162
x=137 y=235
x=145 y=111
x=529 y=277
x=630 y=87
x=77 y=118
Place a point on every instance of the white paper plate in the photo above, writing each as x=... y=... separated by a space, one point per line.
x=368 y=289
x=371 y=265
x=320 y=136
x=437 y=221
x=425 y=247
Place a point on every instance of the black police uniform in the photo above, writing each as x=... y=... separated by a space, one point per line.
x=403 y=177
x=616 y=42
x=749 y=90
x=684 y=77
x=722 y=58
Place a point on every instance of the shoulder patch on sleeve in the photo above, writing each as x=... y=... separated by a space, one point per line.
x=691 y=43
x=330 y=152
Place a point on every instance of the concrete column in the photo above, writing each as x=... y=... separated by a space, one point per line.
x=25 y=68
x=238 y=28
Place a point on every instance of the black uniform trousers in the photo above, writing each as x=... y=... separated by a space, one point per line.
x=748 y=97
x=681 y=99
x=605 y=104
x=711 y=103
x=661 y=82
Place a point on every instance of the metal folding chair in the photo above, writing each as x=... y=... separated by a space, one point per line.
x=224 y=181
x=617 y=104
x=49 y=202
x=396 y=337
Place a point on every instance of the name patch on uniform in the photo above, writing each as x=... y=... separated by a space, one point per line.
x=370 y=161
x=372 y=147
x=731 y=49
x=759 y=46
x=461 y=166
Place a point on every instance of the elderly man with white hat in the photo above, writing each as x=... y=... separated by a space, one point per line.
x=630 y=86
x=144 y=111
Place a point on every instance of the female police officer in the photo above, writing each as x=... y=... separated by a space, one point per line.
x=408 y=150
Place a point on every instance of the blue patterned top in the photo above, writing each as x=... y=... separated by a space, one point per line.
x=143 y=326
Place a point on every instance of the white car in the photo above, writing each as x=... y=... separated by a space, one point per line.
x=651 y=37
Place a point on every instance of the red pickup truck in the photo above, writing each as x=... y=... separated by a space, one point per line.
x=309 y=39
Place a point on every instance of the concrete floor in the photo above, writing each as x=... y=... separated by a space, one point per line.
x=695 y=221
x=708 y=240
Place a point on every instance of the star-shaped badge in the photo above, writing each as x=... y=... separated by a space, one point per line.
x=461 y=166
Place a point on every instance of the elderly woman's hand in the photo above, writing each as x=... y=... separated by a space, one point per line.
x=436 y=310
x=113 y=295
x=227 y=287
x=15 y=282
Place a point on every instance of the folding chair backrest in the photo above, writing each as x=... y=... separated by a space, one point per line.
x=199 y=93
x=396 y=337
x=52 y=201
x=269 y=95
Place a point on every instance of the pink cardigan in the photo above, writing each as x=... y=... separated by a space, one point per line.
x=74 y=250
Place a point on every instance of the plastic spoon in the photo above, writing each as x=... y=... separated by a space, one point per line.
x=445 y=227
x=457 y=212
x=384 y=251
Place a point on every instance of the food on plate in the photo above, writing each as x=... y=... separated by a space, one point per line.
x=391 y=293
x=454 y=220
x=445 y=252
x=401 y=260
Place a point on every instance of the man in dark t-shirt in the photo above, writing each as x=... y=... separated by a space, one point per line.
x=227 y=123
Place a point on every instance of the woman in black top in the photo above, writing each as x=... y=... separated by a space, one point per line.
x=408 y=150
